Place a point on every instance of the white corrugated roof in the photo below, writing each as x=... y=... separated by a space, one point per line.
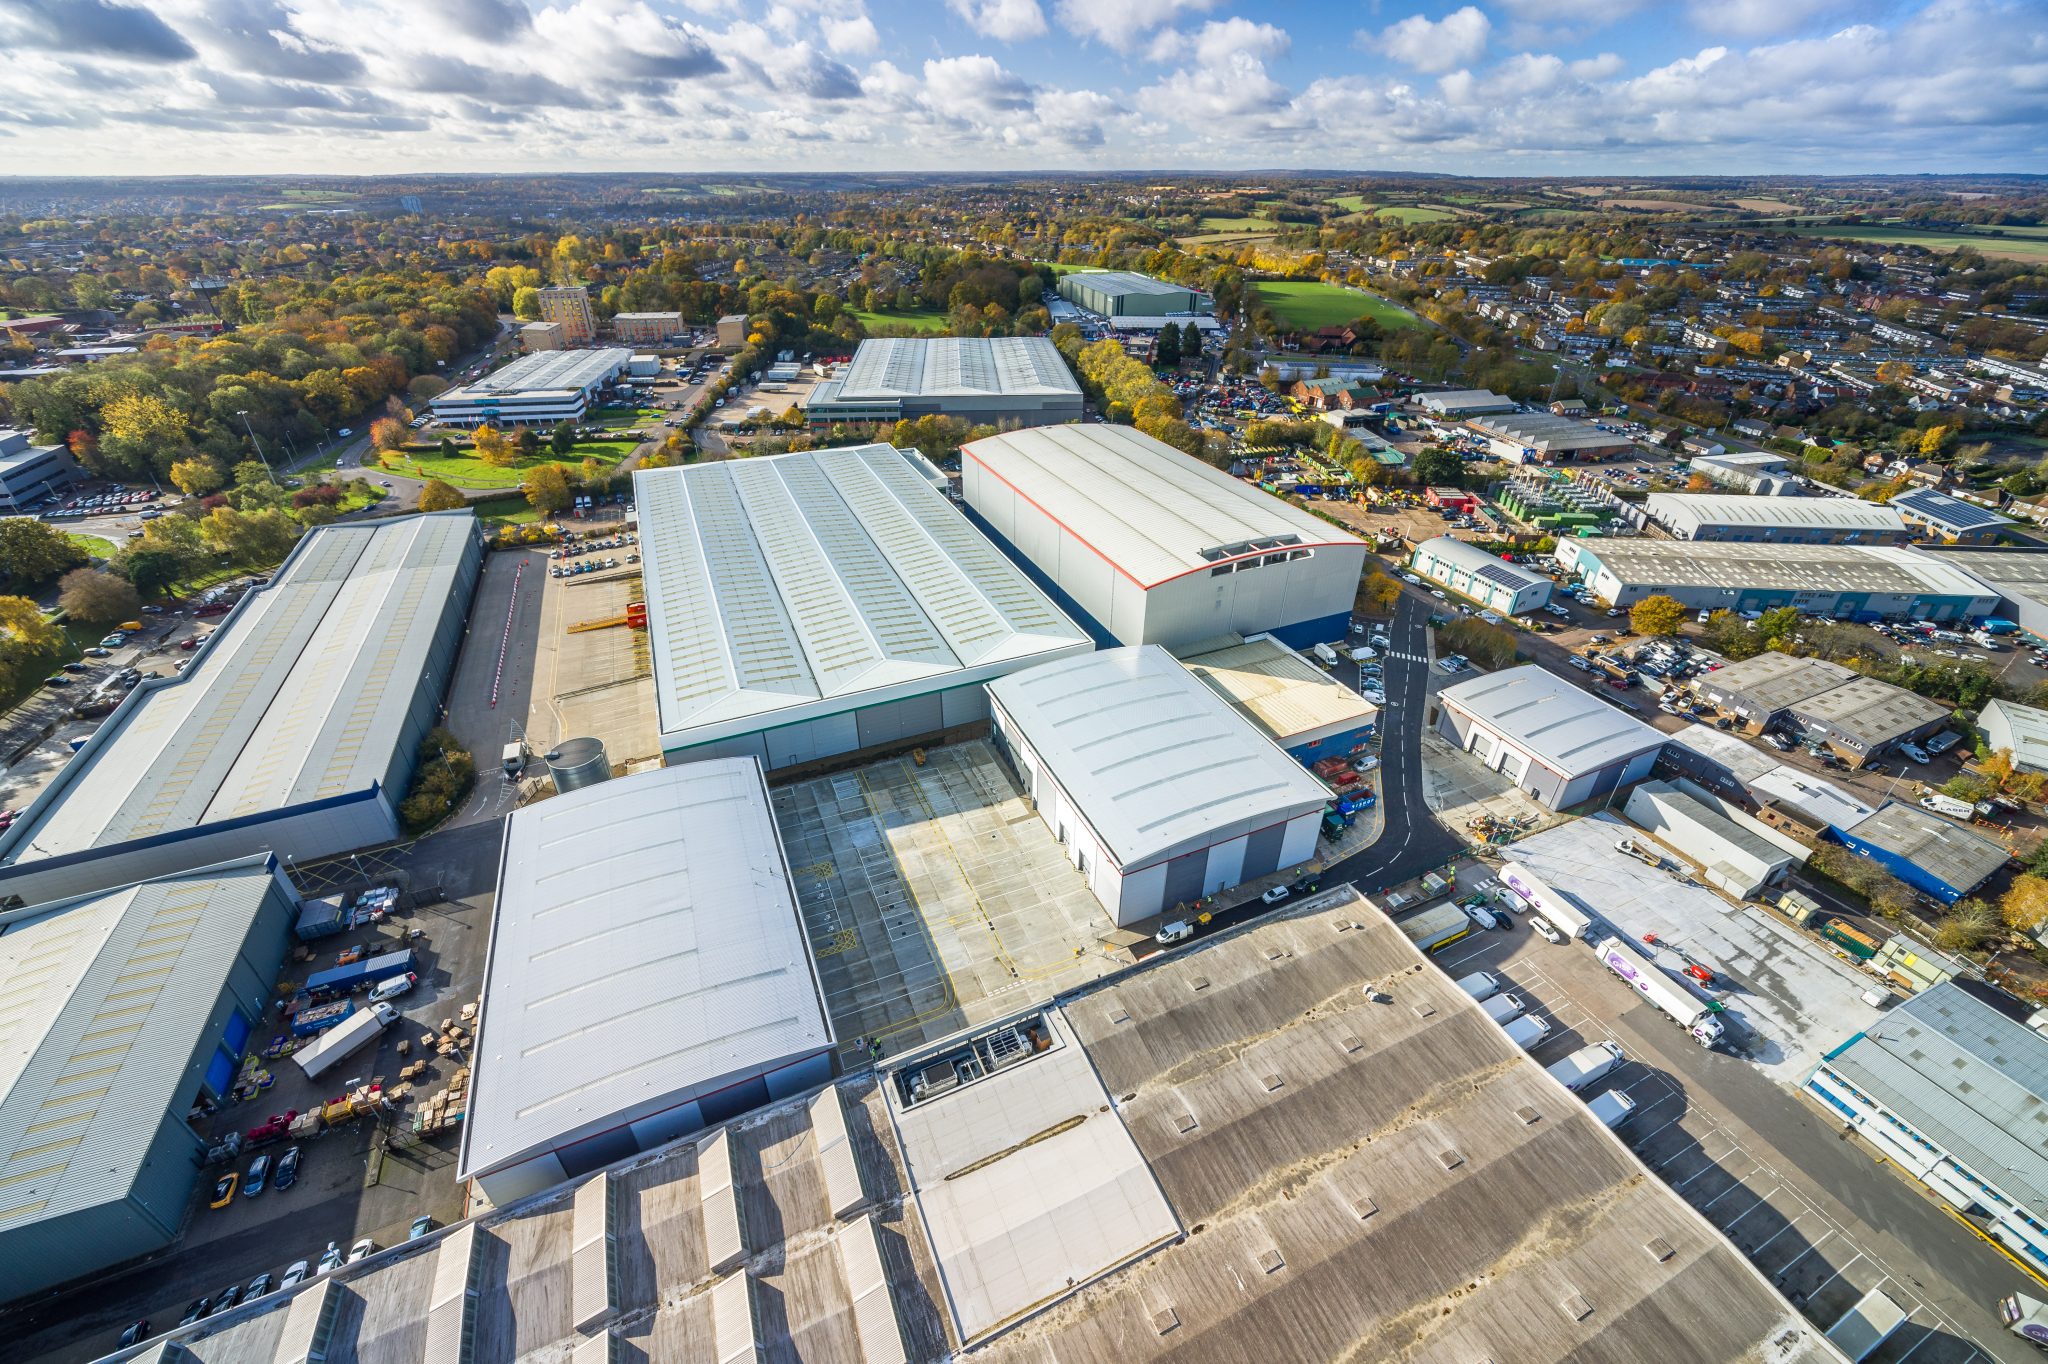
x=1570 y=731
x=1892 y=569
x=301 y=695
x=821 y=574
x=1731 y=509
x=646 y=941
x=103 y=1000
x=957 y=367
x=551 y=371
x=1126 y=282
x=1152 y=757
x=1144 y=506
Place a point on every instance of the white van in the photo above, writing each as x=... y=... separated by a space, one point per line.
x=1612 y=1108
x=1527 y=1032
x=1482 y=916
x=1510 y=901
x=1504 y=1008
x=1480 y=984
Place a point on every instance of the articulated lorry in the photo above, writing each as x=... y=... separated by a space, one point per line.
x=1559 y=912
x=344 y=1040
x=1701 y=1020
x=346 y=980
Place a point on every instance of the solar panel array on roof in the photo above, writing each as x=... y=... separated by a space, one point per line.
x=1949 y=513
x=818 y=575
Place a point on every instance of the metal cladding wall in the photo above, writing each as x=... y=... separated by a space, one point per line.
x=1551 y=789
x=1912 y=873
x=924 y=715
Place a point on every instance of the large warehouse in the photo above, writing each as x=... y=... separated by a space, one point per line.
x=1850 y=582
x=294 y=731
x=1488 y=579
x=124 y=1009
x=1949 y=1090
x=1544 y=438
x=996 y=381
x=1122 y=293
x=1293 y=702
x=648 y=975
x=808 y=605
x=1160 y=792
x=1560 y=744
x=1776 y=520
x=542 y=389
x=1733 y=851
x=2014 y=580
x=1150 y=546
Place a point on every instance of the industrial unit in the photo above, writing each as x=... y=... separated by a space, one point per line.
x=1458 y=403
x=2020 y=730
x=1776 y=520
x=1849 y=582
x=1486 y=578
x=1949 y=519
x=541 y=389
x=1146 y=545
x=1160 y=792
x=648 y=976
x=1293 y=702
x=809 y=605
x=1946 y=1087
x=1857 y=717
x=1733 y=851
x=994 y=381
x=126 y=1009
x=1560 y=744
x=1123 y=293
x=2016 y=580
x=1751 y=471
x=294 y=730
x=1542 y=438
x=1924 y=850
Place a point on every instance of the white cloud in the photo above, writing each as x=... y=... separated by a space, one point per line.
x=1006 y=21
x=1123 y=24
x=852 y=37
x=1443 y=44
x=1756 y=18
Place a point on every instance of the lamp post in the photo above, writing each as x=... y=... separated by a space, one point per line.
x=243 y=413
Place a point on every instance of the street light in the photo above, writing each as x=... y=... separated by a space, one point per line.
x=243 y=413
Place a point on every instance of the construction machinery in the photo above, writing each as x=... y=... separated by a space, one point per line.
x=635 y=618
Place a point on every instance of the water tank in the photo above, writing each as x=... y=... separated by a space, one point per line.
x=577 y=763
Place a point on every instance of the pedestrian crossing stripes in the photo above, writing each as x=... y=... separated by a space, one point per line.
x=1407 y=658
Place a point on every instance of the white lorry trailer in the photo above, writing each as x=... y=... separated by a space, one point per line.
x=1702 y=1021
x=1555 y=909
x=345 y=1039
x=1859 y=1331
x=1586 y=1065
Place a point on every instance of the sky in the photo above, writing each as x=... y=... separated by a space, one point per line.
x=1506 y=87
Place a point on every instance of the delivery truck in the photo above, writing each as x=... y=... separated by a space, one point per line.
x=1436 y=927
x=1948 y=805
x=1560 y=912
x=320 y=1017
x=1674 y=1001
x=1868 y=1324
x=340 y=1042
x=1586 y=1065
x=1327 y=655
x=360 y=975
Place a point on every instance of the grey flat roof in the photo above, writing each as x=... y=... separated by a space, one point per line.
x=1379 y=1181
x=1150 y=510
x=645 y=942
x=548 y=371
x=1874 y=712
x=1744 y=760
x=1968 y=1078
x=302 y=694
x=1947 y=851
x=1570 y=731
x=103 y=1000
x=1950 y=513
x=796 y=578
x=1823 y=800
x=957 y=367
x=1738 y=567
x=1548 y=431
x=1127 y=282
x=1732 y=509
x=1154 y=759
x=1776 y=681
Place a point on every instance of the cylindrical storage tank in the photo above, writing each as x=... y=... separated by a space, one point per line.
x=577 y=763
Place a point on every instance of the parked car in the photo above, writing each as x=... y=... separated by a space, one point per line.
x=287 y=1173
x=97 y=652
x=362 y=1250
x=229 y=1297
x=196 y=1312
x=294 y=1274
x=1275 y=895
x=258 y=1286
x=1551 y=932
x=259 y=1170
x=224 y=1189
x=135 y=1334
x=420 y=1227
x=334 y=1258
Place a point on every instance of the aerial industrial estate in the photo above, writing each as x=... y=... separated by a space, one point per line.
x=1335 y=768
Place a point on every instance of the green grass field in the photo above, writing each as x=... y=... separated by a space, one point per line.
x=1057 y=268
x=2029 y=244
x=1239 y=225
x=921 y=319
x=626 y=418
x=93 y=545
x=1350 y=203
x=1308 y=304
x=505 y=511
x=1415 y=213
x=465 y=470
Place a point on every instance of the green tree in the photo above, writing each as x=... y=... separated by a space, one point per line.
x=97 y=598
x=526 y=303
x=1168 y=352
x=1190 y=341
x=198 y=476
x=27 y=640
x=439 y=496
x=153 y=570
x=563 y=440
x=33 y=551
x=1657 y=614
x=1438 y=467
x=546 y=487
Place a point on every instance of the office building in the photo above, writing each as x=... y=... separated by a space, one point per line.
x=1944 y=1087
x=1760 y=472
x=643 y=329
x=1562 y=745
x=1776 y=520
x=127 y=1009
x=1146 y=545
x=1121 y=293
x=810 y=605
x=543 y=389
x=648 y=976
x=1857 y=717
x=1459 y=403
x=1848 y=582
x=31 y=473
x=1159 y=790
x=294 y=730
x=541 y=336
x=993 y=381
x=1488 y=579
x=568 y=307
x=732 y=331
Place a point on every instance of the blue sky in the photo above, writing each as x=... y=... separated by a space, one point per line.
x=1530 y=87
